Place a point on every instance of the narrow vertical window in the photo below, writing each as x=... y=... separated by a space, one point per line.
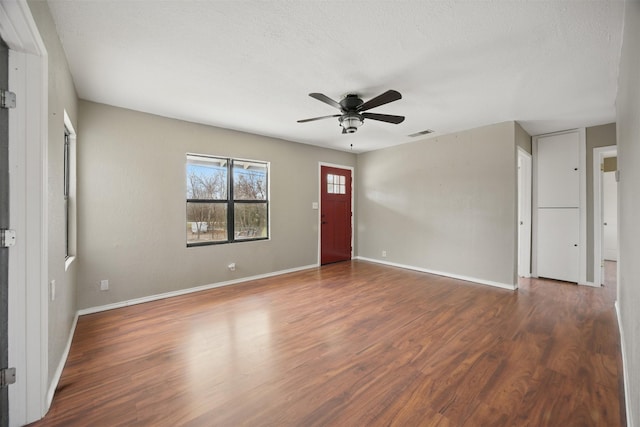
x=67 y=186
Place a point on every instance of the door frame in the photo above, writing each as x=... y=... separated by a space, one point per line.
x=599 y=154
x=524 y=233
x=28 y=259
x=319 y=204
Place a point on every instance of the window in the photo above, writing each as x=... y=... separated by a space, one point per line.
x=69 y=192
x=227 y=200
x=336 y=184
x=67 y=186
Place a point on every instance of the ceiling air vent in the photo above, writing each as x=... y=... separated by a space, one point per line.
x=424 y=132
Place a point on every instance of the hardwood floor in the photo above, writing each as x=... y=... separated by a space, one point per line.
x=350 y=344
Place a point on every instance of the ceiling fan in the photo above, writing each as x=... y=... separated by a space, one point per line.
x=353 y=110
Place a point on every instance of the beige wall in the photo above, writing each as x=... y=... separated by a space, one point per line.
x=523 y=139
x=132 y=216
x=62 y=96
x=627 y=114
x=444 y=204
x=597 y=136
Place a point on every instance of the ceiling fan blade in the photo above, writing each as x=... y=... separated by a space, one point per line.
x=385 y=98
x=318 y=118
x=384 y=117
x=326 y=100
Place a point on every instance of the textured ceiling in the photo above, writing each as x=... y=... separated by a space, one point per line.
x=249 y=65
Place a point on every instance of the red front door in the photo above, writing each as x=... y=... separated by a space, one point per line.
x=335 y=215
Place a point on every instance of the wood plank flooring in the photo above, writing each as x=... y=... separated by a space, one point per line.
x=350 y=344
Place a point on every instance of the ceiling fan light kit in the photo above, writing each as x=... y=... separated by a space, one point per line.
x=353 y=108
x=350 y=122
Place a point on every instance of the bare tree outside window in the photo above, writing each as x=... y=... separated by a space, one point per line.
x=206 y=220
x=227 y=200
x=250 y=195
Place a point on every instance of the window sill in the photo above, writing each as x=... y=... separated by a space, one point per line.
x=68 y=262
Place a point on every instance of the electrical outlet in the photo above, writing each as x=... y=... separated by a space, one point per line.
x=104 y=285
x=232 y=266
x=384 y=254
x=52 y=290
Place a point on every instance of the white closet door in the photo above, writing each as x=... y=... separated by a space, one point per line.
x=558 y=177
x=558 y=237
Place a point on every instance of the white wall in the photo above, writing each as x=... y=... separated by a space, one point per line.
x=446 y=204
x=628 y=135
x=131 y=192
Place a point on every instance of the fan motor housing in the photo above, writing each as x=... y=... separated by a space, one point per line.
x=351 y=102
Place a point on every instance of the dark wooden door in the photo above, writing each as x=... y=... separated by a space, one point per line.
x=335 y=214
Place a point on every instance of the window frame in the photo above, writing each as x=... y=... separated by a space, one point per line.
x=230 y=200
x=67 y=193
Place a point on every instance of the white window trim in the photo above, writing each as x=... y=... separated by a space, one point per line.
x=72 y=204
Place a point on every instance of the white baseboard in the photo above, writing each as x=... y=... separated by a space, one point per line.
x=625 y=372
x=592 y=284
x=511 y=287
x=156 y=297
x=63 y=360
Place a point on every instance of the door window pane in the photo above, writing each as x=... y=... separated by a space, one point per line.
x=336 y=184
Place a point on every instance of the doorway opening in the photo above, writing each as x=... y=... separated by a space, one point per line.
x=524 y=213
x=605 y=210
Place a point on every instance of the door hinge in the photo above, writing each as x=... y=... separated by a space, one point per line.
x=7 y=99
x=7 y=238
x=7 y=376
